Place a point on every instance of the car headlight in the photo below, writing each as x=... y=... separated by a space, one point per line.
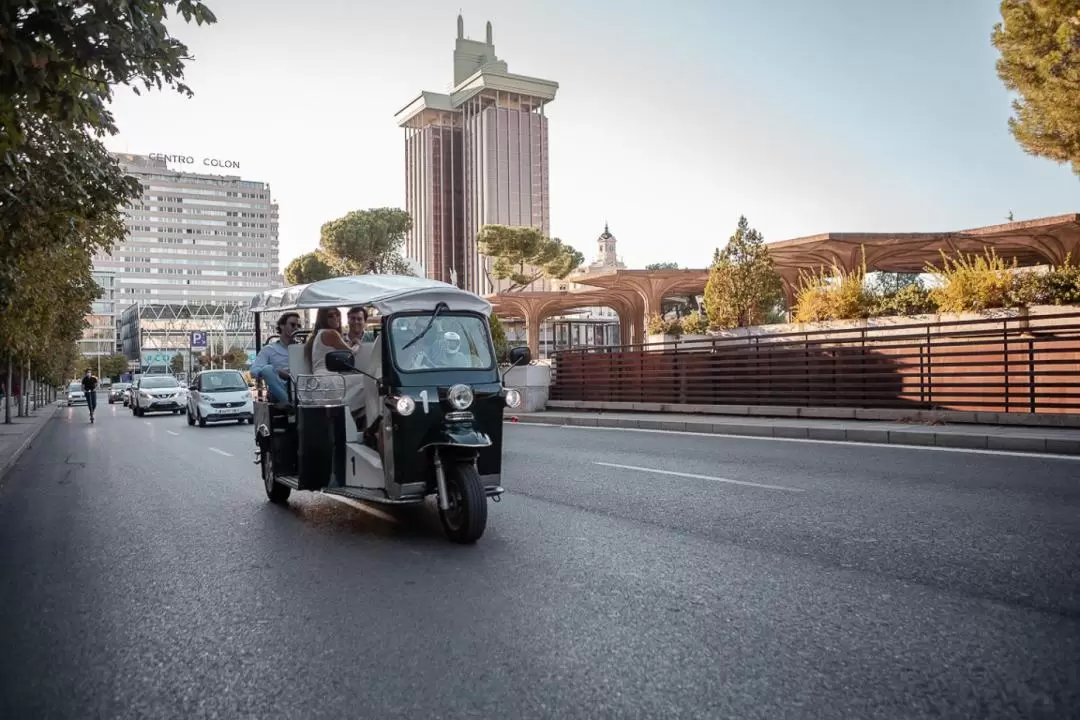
x=207 y=398
x=460 y=396
x=405 y=405
x=513 y=398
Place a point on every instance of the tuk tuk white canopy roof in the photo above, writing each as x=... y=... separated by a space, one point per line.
x=386 y=293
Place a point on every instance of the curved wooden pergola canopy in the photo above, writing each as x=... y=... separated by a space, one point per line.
x=637 y=294
x=1031 y=242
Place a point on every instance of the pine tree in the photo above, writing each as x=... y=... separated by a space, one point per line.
x=743 y=286
x=1039 y=44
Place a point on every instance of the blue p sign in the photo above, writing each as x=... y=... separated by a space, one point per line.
x=198 y=339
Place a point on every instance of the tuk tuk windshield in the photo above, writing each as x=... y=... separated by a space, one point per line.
x=452 y=342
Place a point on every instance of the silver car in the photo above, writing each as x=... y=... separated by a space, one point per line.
x=158 y=393
x=75 y=394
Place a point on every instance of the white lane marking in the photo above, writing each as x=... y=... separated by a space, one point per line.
x=699 y=477
x=848 y=443
x=362 y=507
x=171 y=432
x=219 y=452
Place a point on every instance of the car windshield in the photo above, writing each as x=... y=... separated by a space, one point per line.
x=75 y=387
x=158 y=382
x=223 y=382
x=452 y=342
x=121 y=386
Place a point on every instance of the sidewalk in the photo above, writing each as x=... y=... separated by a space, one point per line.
x=16 y=438
x=1064 y=441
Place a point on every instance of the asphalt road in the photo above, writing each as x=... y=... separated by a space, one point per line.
x=144 y=574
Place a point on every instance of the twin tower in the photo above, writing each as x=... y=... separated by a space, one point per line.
x=475 y=156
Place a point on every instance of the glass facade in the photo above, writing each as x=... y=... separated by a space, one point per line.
x=483 y=163
x=99 y=337
x=151 y=334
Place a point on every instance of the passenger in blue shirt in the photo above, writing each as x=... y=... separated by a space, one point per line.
x=272 y=362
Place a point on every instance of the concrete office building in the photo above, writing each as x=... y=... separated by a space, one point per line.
x=193 y=237
x=475 y=156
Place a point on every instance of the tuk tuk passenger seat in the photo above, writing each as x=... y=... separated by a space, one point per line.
x=299 y=365
x=298 y=362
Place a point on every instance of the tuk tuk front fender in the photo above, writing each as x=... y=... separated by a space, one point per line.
x=465 y=436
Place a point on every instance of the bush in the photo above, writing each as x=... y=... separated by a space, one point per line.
x=972 y=283
x=1062 y=284
x=657 y=325
x=695 y=324
x=836 y=295
x=986 y=282
x=909 y=300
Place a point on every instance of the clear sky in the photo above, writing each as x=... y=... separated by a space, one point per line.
x=671 y=119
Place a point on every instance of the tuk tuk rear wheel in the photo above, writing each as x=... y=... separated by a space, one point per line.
x=275 y=491
x=466 y=518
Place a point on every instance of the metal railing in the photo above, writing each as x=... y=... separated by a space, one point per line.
x=1015 y=364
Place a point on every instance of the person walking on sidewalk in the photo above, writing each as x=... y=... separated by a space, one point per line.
x=89 y=386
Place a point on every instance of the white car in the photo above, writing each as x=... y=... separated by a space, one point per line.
x=219 y=395
x=75 y=394
x=158 y=393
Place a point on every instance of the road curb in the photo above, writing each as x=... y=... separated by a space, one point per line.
x=876 y=435
x=9 y=462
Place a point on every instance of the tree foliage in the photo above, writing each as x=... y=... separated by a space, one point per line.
x=308 y=268
x=1039 y=43
x=662 y=266
x=498 y=339
x=235 y=358
x=358 y=243
x=523 y=255
x=112 y=366
x=744 y=287
x=367 y=241
x=61 y=193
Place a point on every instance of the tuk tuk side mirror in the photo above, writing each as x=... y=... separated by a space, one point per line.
x=340 y=361
x=520 y=356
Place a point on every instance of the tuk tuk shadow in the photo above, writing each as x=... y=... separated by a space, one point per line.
x=416 y=523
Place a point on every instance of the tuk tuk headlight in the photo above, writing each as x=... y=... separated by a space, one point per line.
x=405 y=405
x=460 y=396
x=513 y=398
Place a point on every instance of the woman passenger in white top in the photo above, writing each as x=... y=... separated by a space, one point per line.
x=325 y=338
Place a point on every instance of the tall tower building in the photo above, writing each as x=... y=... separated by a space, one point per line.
x=475 y=156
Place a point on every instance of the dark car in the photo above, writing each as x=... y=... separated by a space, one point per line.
x=116 y=392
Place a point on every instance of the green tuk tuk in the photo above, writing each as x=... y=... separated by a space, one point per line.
x=431 y=421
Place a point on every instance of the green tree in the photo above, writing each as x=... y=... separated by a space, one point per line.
x=113 y=366
x=308 y=268
x=890 y=283
x=63 y=192
x=523 y=255
x=235 y=358
x=662 y=266
x=498 y=339
x=366 y=241
x=744 y=287
x=1039 y=43
x=177 y=363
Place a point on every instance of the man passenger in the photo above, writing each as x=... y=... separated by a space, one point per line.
x=357 y=318
x=272 y=362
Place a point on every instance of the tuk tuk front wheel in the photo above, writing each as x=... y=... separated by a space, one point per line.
x=466 y=518
x=275 y=491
